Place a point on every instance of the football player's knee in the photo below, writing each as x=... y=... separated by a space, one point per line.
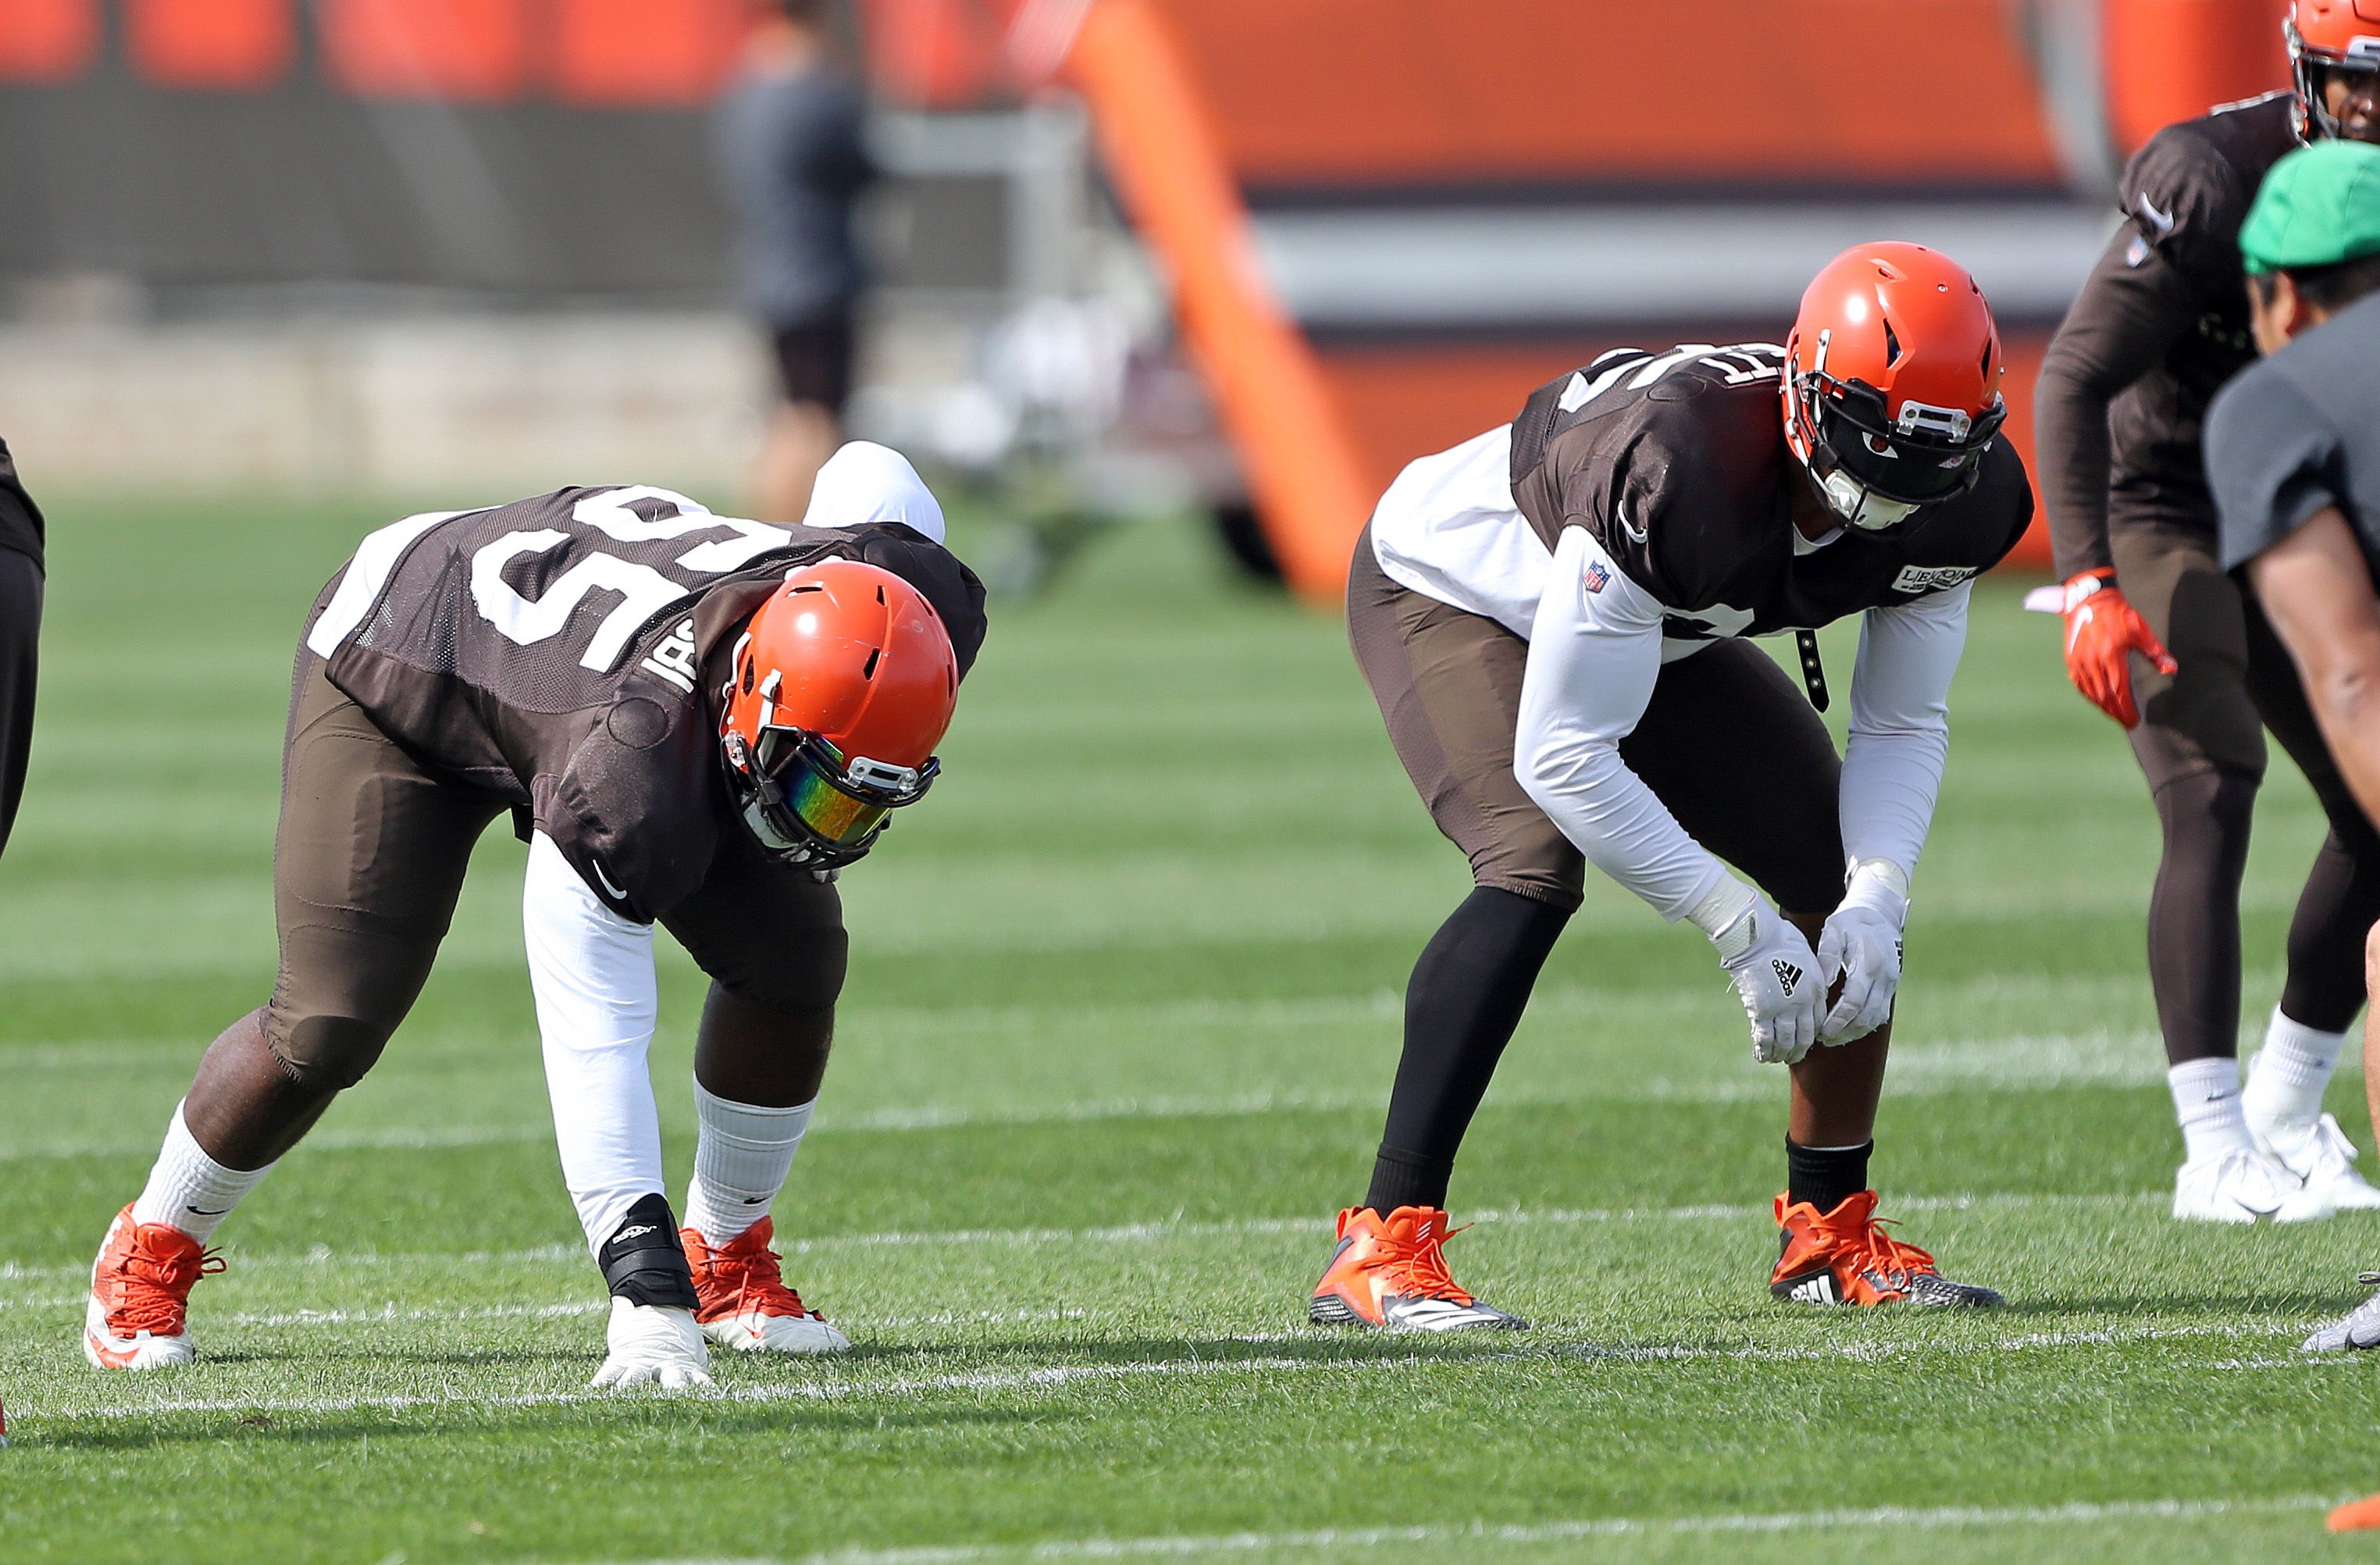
x=2372 y=959
x=806 y=976
x=327 y=1053
x=1547 y=871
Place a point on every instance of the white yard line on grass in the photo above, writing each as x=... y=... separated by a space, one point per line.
x=1883 y=1518
x=1923 y=1070
x=1121 y=1234
x=1056 y=1376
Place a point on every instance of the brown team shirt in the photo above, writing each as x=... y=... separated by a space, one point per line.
x=1677 y=463
x=2160 y=326
x=553 y=651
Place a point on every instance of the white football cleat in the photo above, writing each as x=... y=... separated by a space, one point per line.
x=2324 y=1161
x=2238 y=1187
x=138 y=1315
x=653 y=1345
x=745 y=1305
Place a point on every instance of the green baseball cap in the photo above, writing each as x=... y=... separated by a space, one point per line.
x=2318 y=207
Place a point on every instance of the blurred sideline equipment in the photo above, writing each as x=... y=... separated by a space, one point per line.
x=2293 y=453
x=2160 y=638
x=1551 y=617
x=694 y=719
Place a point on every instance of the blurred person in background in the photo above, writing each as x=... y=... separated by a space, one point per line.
x=2293 y=457
x=22 y=572
x=793 y=160
x=2159 y=638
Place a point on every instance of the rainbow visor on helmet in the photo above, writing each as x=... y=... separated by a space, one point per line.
x=809 y=804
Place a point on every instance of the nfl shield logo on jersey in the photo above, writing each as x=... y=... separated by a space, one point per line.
x=1598 y=578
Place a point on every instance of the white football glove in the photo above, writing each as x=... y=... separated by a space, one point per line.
x=1861 y=942
x=654 y=1344
x=1774 y=970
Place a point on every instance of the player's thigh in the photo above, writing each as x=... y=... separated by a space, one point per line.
x=1730 y=744
x=1449 y=684
x=2201 y=716
x=769 y=934
x=367 y=866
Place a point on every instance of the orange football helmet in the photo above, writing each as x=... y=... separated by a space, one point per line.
x=2327 y=35
x=839 y=689
x=1892 y=382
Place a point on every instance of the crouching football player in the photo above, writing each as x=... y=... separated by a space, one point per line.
x=1551 y=618
x=691 y=717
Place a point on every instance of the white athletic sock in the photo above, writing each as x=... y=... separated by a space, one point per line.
x=2286 y=1078
x=2206 y=1101
x=188 y=1189
x=742 y=1154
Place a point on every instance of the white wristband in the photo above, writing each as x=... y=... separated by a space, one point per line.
x=1721 y=912
x=1878 y=883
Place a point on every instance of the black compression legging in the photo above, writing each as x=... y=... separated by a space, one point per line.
x=1464 y=999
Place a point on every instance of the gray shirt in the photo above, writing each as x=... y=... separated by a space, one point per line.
x=793 y=161
x=2298 y=432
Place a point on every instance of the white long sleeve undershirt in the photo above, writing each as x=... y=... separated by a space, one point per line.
x=597 y=1003
x=1594 y=658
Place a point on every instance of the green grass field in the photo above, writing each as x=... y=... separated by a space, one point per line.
x=1120 y=1027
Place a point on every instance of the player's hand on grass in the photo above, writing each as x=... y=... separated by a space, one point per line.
x=2103 y=631
x=1775 y=974
x=653 y=1345
x=1861 y=943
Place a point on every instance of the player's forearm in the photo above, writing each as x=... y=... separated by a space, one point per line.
x=1614 y=819
x=2070 y=429
x=1890 y=782
x=592 y=971
x=2343 y=687
x=2125 y=321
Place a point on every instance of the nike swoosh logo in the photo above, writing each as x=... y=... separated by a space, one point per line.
x=2163 y=220
x=1630 y=528
x=617 y=895
x=205 y=1212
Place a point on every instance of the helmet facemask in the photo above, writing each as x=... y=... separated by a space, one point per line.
x=1876 y=469
x=804 y=800
x=2310 y=69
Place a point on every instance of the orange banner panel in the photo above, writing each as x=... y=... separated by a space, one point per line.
x=215 y=45
x=47 y=40
x=463 y=49
x=1331 y=92
x=637 y=53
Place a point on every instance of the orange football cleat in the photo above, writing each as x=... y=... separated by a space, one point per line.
x=1390 y=1271
x=745 y=1305
x=2356 y=1515
x=1846 y=1258
x=138 y=1314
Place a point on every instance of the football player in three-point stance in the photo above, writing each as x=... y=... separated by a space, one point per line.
x=692 y=718
x=2163 y=641
x=1550 y=616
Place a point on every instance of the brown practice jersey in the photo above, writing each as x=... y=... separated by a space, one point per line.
x=1677 y=463
x=20 y=519
x=559 y=651
x=2159 y=326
